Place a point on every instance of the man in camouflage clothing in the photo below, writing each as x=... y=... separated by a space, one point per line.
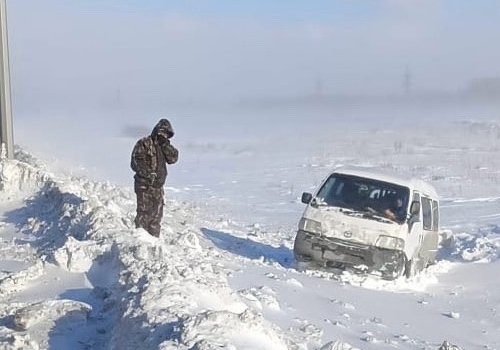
x=150 y=157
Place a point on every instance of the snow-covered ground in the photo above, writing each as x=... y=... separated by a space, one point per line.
x=75 y=274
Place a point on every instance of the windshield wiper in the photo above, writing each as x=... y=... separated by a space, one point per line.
x=366 y=214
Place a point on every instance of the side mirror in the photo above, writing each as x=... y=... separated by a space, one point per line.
x=306 y=198
x=415 y=208
x=414 y=214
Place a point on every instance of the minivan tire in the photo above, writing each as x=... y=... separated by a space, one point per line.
x=409 y=268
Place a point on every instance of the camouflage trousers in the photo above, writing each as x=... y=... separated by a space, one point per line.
x=149 y=209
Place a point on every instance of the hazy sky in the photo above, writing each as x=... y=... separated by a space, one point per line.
x=115 y=52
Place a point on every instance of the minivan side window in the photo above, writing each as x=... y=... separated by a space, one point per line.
x=427 y=213
x=416 y=196
x=435 y=215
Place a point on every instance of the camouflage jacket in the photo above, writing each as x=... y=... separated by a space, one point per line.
x=149 y=161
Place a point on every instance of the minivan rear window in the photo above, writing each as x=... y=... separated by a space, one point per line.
x=427 y=213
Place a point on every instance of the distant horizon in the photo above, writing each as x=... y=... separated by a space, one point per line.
x=412 y=99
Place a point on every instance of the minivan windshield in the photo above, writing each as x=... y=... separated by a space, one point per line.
x=366 y=195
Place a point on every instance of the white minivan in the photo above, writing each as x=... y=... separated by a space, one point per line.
x=363 y=218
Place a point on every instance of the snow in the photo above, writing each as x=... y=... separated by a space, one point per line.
x=76 y=274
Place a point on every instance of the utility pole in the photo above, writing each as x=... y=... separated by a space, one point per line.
x=407 y=81
x=6 y=128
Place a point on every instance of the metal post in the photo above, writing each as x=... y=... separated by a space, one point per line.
x=7 y=135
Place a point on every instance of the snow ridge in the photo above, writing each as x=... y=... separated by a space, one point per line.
x=166 y=293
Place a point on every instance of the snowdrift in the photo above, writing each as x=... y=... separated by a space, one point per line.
x=142 y=292
x=81 y=276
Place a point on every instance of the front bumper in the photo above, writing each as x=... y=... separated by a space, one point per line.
x=327 y=251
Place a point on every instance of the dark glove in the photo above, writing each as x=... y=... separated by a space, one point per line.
x=163 y=140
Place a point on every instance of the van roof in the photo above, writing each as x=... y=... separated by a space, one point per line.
x=391 y=177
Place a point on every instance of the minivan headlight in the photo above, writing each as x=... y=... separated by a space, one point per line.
x=389 y=242
x=310 y=226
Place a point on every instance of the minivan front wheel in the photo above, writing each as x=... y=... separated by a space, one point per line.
x=410 y=268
